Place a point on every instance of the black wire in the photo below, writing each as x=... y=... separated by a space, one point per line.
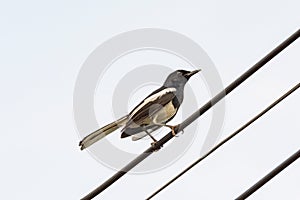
x=195 y=115
x=226 y=140
x=269 y=176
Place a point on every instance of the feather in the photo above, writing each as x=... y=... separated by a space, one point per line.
x=102 y=132
x=143 y=114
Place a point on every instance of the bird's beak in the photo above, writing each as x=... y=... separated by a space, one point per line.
x=192 y=73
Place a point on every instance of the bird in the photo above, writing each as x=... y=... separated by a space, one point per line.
x=154 y=112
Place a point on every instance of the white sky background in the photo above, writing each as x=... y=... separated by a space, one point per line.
x=43 y=45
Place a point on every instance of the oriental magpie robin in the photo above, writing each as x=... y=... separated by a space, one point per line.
x=151 y=114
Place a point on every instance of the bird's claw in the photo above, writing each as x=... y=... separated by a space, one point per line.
x=154 y=146
x=174 y=133
x=173 y=130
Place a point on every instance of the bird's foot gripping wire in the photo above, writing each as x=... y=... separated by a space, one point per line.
x=154 y=143
x=154 y=140
x=173 y=129
x=155 y=146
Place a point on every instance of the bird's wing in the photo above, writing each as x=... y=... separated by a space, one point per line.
x=147 y=108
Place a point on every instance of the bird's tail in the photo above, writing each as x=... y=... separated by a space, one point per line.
x=102 y=132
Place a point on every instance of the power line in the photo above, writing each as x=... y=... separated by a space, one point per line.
x=195 y=115
x=269 y=176
x=226 y=140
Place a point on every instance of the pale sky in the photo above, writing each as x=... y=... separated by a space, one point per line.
x=43 y=46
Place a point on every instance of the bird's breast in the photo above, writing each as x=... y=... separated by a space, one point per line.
x=164 y=114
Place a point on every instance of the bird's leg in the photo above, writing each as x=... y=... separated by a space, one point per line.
x=169 y=126
x=154 y=140
x=172 y=129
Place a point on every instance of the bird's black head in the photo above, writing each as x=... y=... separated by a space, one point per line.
x=179 y=78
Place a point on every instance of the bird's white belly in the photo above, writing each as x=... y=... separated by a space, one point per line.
x=164 y=113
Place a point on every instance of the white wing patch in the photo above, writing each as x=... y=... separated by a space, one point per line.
x=153 y=98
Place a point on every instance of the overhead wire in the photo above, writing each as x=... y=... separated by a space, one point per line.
x=235 y=133
x=269 y=176
x=194 y=116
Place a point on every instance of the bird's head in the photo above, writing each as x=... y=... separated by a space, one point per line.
x=179 y=78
